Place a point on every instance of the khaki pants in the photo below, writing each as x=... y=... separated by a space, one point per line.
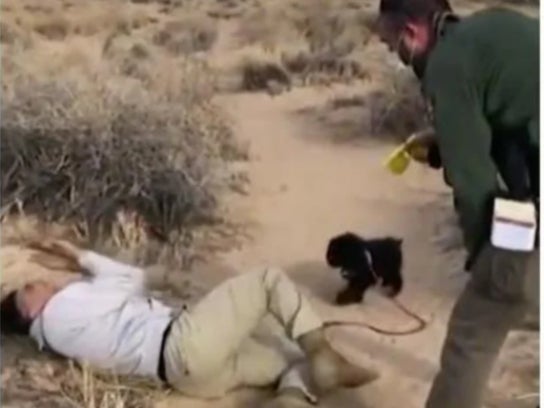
x=226 y=341
x=502 y=288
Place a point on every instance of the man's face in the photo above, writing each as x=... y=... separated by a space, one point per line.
x=32 y=297
x=410 y=40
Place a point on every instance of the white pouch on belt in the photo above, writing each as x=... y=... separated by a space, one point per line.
x=514 y=225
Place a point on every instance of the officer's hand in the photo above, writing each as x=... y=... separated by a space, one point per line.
x=419 y=144
x=422 y=147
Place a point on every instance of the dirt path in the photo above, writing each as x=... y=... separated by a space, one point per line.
x=307 y=187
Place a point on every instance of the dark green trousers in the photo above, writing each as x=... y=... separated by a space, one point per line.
x=502 y=289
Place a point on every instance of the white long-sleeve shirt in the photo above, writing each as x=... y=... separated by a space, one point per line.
x=106 y=320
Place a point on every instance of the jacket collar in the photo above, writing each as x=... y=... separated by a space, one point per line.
x=442 y=24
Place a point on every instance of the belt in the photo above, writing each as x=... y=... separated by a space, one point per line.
x=161 y=371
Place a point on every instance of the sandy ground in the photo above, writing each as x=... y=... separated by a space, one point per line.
x=308 y=183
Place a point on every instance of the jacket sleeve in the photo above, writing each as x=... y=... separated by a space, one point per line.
x=464 y=140
x=113 y=273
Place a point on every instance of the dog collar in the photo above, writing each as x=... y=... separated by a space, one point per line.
x=368 y=256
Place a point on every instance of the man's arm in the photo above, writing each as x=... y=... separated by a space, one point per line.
x=101 y=267
x=56 y=254
x=464 y=140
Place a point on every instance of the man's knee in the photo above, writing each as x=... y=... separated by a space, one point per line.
x=272 y=275
x=265 y=279
x=267 y=272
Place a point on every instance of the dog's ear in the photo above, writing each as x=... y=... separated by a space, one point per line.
x=333 y=254
x=398 y=241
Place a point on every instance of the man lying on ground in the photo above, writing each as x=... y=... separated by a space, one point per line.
x=107 y=321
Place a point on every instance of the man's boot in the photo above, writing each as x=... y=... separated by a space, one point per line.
x=328 y=368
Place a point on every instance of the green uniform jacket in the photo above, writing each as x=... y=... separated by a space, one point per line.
x=482 y=85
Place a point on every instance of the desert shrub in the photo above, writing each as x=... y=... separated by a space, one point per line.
x=311 y=43
x=269 y=26
x=58 y=21
x=83 y=148
x=55 y=27
x=8 y=35
x=327 y=27
x=228 y=9
x=398 y=108
x=325 y=66
x=12 y=35
x=187 y=35
x=262 y=75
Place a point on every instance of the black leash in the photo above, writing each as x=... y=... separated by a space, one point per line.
x=421 y=323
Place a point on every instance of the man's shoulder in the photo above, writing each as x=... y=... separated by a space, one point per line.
x=65 y=300
x=492 y=31
x=445 y=64
x=492 y=13
x=490 y=27
x=527 y=16
x=82 y=298
x=451 y=55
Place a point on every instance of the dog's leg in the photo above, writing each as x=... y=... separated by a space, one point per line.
x=350 y=294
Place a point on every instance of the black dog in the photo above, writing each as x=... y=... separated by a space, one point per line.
x=366 y=263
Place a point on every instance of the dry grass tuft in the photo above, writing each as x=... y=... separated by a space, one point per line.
x=55 y=27
x=12 y=35
x=228 y=9
x=269 y=27
x=187 y=35
x=322 y=67
x=312 y=43
x=273 y=73
x=58 y=21
x=398 y=108
x=263 y=75
x=22 y=230
x=92 y=389
x=327 y=28
x=62 y=385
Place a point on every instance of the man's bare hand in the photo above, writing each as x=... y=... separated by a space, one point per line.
x=56 y=254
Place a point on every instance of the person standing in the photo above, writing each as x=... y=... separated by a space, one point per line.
x=480 y=80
